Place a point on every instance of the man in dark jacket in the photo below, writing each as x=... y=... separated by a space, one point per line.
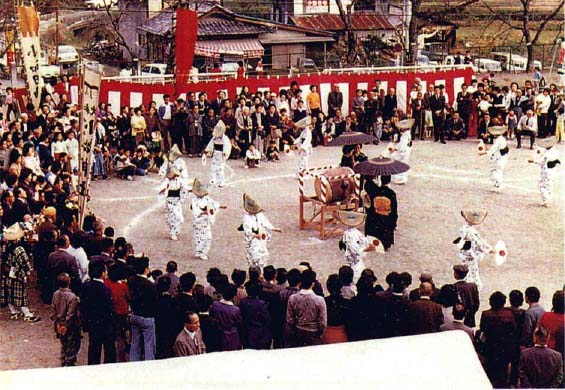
x=437 y=106
x=468 y=293
x=97 y=315
x=540 y=366
x=143 y=309
x=62 y=262
x=335 y=101
x=256 y=318
x=423 y=315
x=210 y=326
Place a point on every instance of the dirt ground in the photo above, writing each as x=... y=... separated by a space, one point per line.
x=443 y=179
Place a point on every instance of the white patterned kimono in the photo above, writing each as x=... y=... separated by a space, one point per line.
x=547 y=158
x=471 y=257
x=355 y=245
x=203 y=217
x=179 y=164
x=402 y=153
x=256 y=248
x=304 y=143
x=219 y=158
x=173 y=204
x=497 y=161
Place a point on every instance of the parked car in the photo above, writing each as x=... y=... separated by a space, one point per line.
x=154 y=69
x=66 y=55
x=100 y=3
x=45 y=70
x=513 y=62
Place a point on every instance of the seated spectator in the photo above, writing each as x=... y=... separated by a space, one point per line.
x=124 y=167
x=272 y=152
x=141 y=161
x=455 y=128
x=252 y=157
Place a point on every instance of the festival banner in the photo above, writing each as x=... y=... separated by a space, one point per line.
x=28 y=24
x=89 y=93
x=185 y=41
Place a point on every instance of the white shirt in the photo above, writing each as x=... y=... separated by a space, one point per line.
x=544 y=103
x=167 y=114
x=82 y=261
x=528 y=123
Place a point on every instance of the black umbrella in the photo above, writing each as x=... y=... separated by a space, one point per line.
x=352 y=138
x=381 y=166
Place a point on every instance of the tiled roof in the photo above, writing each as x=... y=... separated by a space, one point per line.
x=330 y=22
x=207 y=27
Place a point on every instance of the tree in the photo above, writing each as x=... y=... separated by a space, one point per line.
x=421 y=16
x=525 y=24
x=345 y=14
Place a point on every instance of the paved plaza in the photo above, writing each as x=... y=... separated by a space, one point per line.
x=443 y=179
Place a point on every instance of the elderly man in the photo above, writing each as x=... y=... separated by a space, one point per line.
x=425 y=276
x=540 y=366
x=189 y=341
x=424 y=316
x=335 y=101
x=306 y=314
x=528 y=124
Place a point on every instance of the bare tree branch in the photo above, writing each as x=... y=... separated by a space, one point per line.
x=541 y=27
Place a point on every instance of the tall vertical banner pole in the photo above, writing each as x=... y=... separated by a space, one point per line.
x=28 y=24
x=89 y=93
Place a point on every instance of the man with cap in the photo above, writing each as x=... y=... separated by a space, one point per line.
x=175 y=161
x=472 y=248
x=219 y=148
x=304 y=142
x=258 y=231
x=204 y=211
x=468 y=293
x=175 y=190
x=498 y=156
x=547 y=157
x=401 y=150
x=354 y=243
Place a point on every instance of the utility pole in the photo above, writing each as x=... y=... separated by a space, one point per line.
x=57 y=31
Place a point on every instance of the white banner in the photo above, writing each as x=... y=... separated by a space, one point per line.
x=28 y=22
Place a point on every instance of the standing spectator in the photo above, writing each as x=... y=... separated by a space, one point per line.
x=425 y=276
x=293 y=279
x=448 y=298
x=468 y=293
x=18 y=266
x=62 y=262
x=138 y=127
x=189 y=341
x=394 y=307
x=348 y=289
x=229 y=318
x=516 y=301
x=540 y=366
x=184 y=300
x=76 y=249
x=543 y=103
x=437 y=106
x=367 y=316
x=457 y=322
x=256 y=329
x=143 y=310
x=97 y=315
x=497 y=328
x=554 y=322
x=306 y=313
x=464 y=104
x=313 y=101
x=210 y=326
x=165 y=319
x=390 y=104
x=335 y=101
x=66 y=320
x=195 y=133
x=120 y=304
x=339 y=312
x=171 y=270
x=532 y=315
x=165 y=114
x=179 y=127
x=423 y=315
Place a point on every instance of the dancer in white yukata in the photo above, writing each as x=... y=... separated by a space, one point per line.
x=219 y=148
x=402 y=149
x=498 y=156
x=304 y=142
x=174 y=160
x=204 y=211
x=547 y=157
x=258 y=232
x=354 y=243
x=175 y=190
x=472 y=248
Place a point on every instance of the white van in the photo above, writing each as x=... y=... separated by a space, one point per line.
x=486 y=65
x=514 y=62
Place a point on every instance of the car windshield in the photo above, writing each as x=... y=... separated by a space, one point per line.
x=66 y=49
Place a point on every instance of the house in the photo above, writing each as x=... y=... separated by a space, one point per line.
x=224 y=36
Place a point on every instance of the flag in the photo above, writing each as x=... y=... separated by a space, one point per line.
x=28 y=24
x=185 y=41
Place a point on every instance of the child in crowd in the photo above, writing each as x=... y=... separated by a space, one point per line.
x=66 y=320
x=252 y=157
x=511 y=123
x=272 y=152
